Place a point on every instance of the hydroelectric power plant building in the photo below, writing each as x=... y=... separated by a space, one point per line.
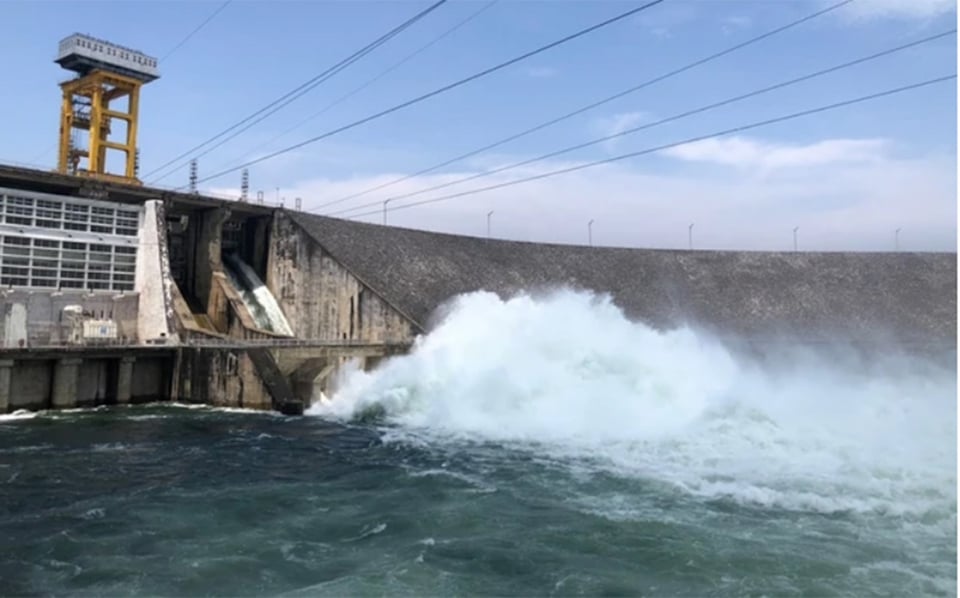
x=113 y=292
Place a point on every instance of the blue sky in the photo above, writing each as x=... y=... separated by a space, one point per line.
x=847 y=178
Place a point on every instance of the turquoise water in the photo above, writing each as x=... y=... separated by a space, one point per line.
x=167 y=501
x=580 y=454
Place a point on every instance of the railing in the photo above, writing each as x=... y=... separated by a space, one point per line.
x=182 y=189
x=216 y=343
x=210 y=343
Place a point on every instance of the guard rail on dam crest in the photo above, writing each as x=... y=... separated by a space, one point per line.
x=217 y=343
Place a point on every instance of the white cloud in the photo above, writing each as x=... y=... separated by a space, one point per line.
x=903 y=9
x=745 y=152
x=618 y=123
x=542 y=72
x=838 y=205
x=734 y=23
x=665 y=19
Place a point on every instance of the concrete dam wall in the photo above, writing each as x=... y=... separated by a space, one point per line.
x=870 y=298
x=112 y=295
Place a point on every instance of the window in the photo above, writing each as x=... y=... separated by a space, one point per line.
x=72 y=269
x=22 y=251
x=34 y=261
x=46 y=253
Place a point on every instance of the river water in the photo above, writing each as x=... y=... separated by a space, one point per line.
x=528 y=447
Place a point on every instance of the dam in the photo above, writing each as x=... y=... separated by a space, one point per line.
x=203 y=393
x=115 y=293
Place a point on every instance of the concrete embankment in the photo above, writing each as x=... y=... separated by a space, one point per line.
x=902 y=298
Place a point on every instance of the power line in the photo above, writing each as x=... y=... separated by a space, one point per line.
x=384 y=73
x=296 y=93
x=596 y=104
x=662 y=121
x=440 y=90
x=651 y=150
x=302 y=89
x=44 y=153
x=196 y=30
x=322 y=78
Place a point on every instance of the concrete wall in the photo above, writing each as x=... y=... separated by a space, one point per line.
x=43 y=310
x=150 y=380
x=30 y=384
x=96 y=382
x=153 y=279
x=868 y=297
x=209 y=227
x=83 y=379
x=321 y=298
x=219 y=377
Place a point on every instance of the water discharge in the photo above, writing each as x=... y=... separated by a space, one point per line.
x=256 y=296
x=568 y=377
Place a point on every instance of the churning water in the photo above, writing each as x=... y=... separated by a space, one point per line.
x=526 y=447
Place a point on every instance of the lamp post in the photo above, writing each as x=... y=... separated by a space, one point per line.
x=385 y=202
x=690 y=236
x=896 y=240
x=590 y=233
x=489 y=214
x=795 y=229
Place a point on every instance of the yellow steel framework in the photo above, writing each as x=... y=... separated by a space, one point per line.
x=87 y=107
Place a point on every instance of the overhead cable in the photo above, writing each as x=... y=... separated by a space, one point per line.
x=439 y=90
x=379 y=76
x=196 y=30
x=659 y=148
x=596 y=104
x=657 y=123
x=299 y=91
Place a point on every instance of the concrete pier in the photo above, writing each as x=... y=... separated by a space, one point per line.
x=65 y=375
x=6 y=367
x=125 y=379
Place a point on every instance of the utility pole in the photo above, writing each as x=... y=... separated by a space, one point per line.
x=489 y=214
x=896 y=240
x=590 y=233
x=385 y=202
x=690 y=236
x=193 y=175
x=795 y=229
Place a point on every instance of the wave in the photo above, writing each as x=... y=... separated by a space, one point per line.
x=567 y=374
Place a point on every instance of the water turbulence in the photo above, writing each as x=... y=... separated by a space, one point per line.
x=865 y=458
x=256 y=296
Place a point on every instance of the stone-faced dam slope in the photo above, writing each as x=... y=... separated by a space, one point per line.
x=903 y=298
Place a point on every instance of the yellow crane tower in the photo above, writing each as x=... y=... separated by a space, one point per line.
x=106 y=75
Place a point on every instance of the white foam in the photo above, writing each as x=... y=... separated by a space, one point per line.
x=18 y=415
x=568 y=376
x=368 y=531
